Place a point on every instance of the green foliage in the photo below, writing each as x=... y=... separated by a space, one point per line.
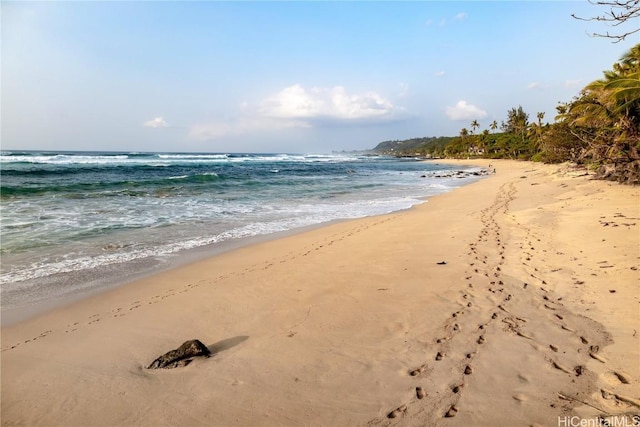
x=560 y=144
x=600 y=127
x=423 y=147
x=605 y=118
x=517 y=121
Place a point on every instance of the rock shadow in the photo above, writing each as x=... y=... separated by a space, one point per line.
x=226 y=344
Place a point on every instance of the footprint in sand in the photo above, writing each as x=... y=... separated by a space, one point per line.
x=621 y=398
x=593 y=354
x=453 y=410
x=519 y=397
x=420 y=393
x=397 y=412
x=560 y=367
x=418 y=371
x=623 y=378
x=523 y=335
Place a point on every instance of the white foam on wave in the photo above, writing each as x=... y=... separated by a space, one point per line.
x=104 y=232
x=62 y=159
x=193 y=156
x=260 y=220
x=168 y=159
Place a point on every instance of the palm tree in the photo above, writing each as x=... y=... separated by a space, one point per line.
x=535 y=131
x=606 y=116
x=623 y=87
x=493 y=125
x=474 y=126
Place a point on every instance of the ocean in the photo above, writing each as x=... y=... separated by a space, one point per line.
x=80 y=221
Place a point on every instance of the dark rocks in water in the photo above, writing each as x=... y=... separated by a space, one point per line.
x=181 y=356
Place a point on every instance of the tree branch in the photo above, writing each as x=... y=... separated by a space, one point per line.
x=620 y=11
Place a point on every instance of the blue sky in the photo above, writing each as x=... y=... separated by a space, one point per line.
x=302 y=77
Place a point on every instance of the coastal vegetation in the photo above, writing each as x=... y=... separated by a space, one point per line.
x=599 y=128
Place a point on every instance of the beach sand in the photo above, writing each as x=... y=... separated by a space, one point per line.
x=512 y=301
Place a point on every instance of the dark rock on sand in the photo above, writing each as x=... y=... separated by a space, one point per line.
x=181 y=356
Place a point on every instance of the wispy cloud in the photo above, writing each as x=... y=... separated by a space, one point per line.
x=444 y=21
x=571 y=84
x=464 y=111
x=157 y=122
x=439 y=73
x=404 y=90
x=240 y=126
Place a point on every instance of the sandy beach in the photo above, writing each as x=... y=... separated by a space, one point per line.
x=512 y=301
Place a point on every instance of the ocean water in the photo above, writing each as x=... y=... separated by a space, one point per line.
x=83 y=220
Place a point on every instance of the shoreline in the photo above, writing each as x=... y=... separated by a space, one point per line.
x=85 y=284
x=14 y=315
x=531 y=316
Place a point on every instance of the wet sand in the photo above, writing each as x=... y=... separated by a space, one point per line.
x=510 y=301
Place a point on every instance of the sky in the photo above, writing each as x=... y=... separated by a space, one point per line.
x=296 y=77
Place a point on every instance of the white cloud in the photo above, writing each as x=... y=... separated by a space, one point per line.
x=439 y=73
x=460 y=16
x=296 y=102
x=533 y=85
x=428 y=22
x=464 y=111
x=572 y=83
x=298 y=107
x=158 y=122
x=293 y=101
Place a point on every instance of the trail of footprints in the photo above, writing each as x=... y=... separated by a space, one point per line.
x=136 y=305
x=488 y=292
